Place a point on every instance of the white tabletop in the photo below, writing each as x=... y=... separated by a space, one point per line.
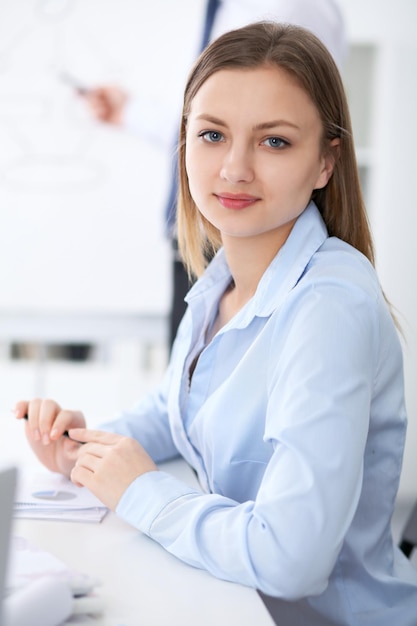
x=141 y=583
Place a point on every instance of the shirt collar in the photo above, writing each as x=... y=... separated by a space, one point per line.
x=285 y=270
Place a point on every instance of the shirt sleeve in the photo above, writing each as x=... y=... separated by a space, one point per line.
x=148 y=423
x=287 y=540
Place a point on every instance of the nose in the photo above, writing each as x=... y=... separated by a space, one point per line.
x=237 y=166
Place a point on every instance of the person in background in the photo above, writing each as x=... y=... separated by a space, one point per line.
x=112 y=104
x=285 y=386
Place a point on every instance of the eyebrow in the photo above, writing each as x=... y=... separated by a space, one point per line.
x=274 y=124
x=261 y=126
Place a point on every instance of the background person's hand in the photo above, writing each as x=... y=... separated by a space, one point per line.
x=107 y=103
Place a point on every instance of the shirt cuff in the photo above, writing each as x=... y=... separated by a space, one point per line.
x=147 y=496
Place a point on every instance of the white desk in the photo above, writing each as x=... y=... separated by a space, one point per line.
x=142 y=584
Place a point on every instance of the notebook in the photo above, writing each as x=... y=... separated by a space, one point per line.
x=42 y=494
x=8 y=480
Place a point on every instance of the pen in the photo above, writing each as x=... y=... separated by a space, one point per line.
x=64 y=434
x=66 y=77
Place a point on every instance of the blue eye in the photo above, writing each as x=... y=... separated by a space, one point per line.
x=212 y=136
x=275 y=142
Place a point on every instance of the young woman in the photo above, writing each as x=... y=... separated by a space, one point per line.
x=285 y=386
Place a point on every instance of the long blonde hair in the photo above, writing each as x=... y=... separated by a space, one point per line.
x=302 y=55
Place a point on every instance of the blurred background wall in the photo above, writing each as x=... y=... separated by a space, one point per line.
x=83 y=256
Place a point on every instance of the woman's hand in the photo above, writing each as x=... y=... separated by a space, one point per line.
x=108 y=463
x=46 y=423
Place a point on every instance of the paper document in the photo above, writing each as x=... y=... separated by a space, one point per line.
x=45 y=495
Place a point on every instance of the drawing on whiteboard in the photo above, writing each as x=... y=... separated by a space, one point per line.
x=44 y=128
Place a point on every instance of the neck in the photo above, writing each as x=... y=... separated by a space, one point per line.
x=249 y=257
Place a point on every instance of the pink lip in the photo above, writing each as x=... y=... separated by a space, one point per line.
x=236 y=201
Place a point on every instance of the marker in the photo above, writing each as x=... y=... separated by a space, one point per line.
x=64 y=434
x=70 y=80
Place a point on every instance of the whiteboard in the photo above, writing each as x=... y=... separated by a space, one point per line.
x=81 y=203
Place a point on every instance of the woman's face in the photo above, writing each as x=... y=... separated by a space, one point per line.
x=254 y=151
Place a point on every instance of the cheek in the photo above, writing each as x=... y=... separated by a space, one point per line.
x=193 y=181
x=198 y=171
x=191 y=158
x=302 y=178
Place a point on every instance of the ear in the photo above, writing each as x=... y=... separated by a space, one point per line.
x=328 y=162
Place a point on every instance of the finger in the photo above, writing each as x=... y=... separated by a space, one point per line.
x=64 y=420
x=89 y=461
x=33 y=418
x=97 y=450
x=21 y=409
x=76 y=483
x=99 y=486
x=48 y=412
x=81 y=476
x=86 y=435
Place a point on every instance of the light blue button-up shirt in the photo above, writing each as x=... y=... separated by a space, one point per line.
x=294 y=420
